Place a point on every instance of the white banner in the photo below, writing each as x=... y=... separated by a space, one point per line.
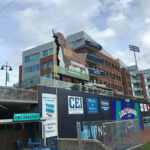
x=75 y=105
x=49 y=110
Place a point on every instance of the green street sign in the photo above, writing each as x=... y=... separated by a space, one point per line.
x=26 y=117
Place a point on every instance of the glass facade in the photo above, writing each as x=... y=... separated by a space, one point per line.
x=32 y=58
x=44 y=66
x=50 y=51
x=32 y=68
x=45 y=53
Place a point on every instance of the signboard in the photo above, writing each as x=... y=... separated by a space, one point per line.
x=26 y=117
x=70 y=62
x=145 y=107
x=104 y=105
x=49 y=111
x=141 y=107
x=93 y=44
x=75 y=105
x=97 y=72
x=70 y=73
x=148 y=107
x=92 y=106
x=123 y=110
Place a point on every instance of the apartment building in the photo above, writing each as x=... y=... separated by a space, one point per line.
x=146 y=81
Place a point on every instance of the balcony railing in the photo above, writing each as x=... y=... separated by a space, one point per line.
x=17 y=94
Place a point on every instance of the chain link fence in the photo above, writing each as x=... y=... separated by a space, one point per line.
x=117 y=135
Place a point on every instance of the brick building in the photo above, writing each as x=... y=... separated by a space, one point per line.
x=103 y=69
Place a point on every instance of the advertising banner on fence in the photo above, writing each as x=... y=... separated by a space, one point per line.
x=104 y=105
x=75 y=105
x=92 y=106
x=49 y=111
x=126 y=110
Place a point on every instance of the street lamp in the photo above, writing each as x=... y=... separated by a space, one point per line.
x=7 y=67
x=136 y=49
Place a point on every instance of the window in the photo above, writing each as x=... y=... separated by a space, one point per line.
x=45 y=75
x=44 y=66
x=50 y=51
x=50 y=64
x=45 y=53
x=32 y=68
x=32 y=57
x=50 y=75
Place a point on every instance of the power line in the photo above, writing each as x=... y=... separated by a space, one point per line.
x=1 y=9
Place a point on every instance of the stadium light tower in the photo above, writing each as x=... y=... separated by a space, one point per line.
x=136 y=49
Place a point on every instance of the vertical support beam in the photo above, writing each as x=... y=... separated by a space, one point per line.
x=80 y=146
x=44 y=136
x=55 y=75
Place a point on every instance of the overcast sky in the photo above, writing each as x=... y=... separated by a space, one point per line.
x=113 y=23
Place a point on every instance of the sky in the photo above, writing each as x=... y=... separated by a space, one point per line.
x=115 y=24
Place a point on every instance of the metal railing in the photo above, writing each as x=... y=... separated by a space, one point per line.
x=17 y=94
x=117 y=135
x=72 y=86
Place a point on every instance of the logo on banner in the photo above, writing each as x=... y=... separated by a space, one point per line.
x=92 y=106
x=75 y=105
x=85 y=134
x=49 y=109
x=105 y=105
x=94 y=131
x=127 y=111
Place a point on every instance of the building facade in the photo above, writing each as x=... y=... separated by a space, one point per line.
x=102 y=67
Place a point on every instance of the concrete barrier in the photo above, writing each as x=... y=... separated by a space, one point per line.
x=72 y=144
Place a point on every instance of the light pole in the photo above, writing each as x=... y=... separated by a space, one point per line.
x=136 y=49
x=7 y=67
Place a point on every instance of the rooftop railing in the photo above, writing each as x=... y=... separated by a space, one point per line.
x=72 y=86
x=84 y=88
x=17 y=94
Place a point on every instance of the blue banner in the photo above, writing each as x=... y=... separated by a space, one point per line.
x=104 y=105
x=92 y=106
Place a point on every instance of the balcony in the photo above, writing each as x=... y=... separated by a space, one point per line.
x=94 y=58
x=137 y=88
x=96 y=72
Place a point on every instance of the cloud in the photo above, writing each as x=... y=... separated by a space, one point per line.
x=127 y=58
